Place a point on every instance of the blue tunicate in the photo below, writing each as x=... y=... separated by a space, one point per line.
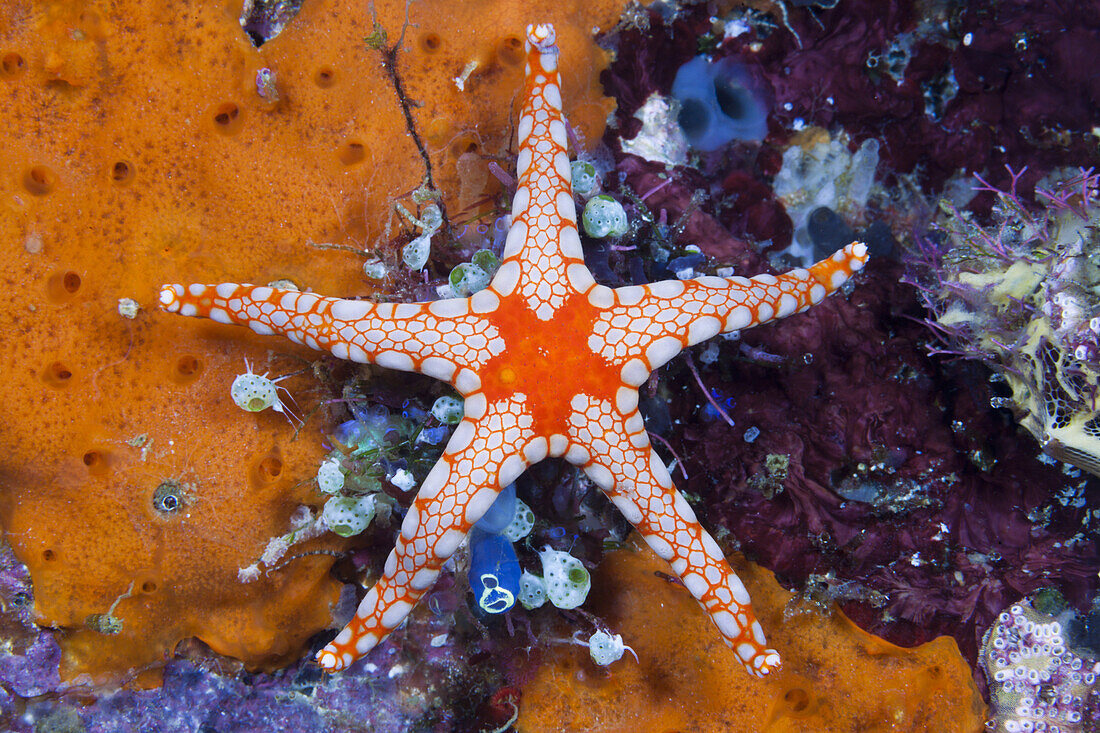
x=500 y=231
x=718 y=102
x=500 y=513
x=411 y=412
x=368 y=414
x=879 y=239
x=494 y=571
x=710 y=413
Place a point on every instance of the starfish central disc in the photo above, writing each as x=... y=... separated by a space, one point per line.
x=540 y=353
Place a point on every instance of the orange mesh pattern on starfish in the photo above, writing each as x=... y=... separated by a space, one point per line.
x=549 y=363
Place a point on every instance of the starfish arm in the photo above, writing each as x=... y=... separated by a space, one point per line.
x=542 y=253
x=621 y=462
x=446 y=339
x=659 y=320
x=481 y=457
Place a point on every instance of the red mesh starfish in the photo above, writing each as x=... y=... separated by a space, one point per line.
x=549 y=363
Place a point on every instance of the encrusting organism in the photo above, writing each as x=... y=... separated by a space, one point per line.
x=549 y=363
x=1037 y=680
x=1021 y=295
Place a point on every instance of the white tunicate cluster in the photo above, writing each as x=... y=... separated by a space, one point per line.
x=532 y=591
x=605 y=648
x=586 y=182
x=347 y=516
x=1036 y=682
x=567 y=580
x=467 y=279
x=471 y=277
x=604 y=217
x=415 y=253
x=448 y=410
x=522 y=523
x=823 y=175
x=330 y=477
x=661 y=139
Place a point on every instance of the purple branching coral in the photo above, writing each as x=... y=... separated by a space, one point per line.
x=1022 y=294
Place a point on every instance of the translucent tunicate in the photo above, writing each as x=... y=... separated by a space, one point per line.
x=532 y=591
x=586 y=182
x=347 y=516
x=415 y=253
x=604 y=217
x=567 y=580
x=467 y=279
x=375 y=269
x=448 y=410
x=605 y=648
x=523 y=521
x=330 y=479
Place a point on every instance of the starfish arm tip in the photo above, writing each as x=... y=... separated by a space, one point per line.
x=169 y=297
x=766 y=662
x=542 y=35
x=330 y=661
x=857 y=255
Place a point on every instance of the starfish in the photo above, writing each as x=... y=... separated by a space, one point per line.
x=549 y=363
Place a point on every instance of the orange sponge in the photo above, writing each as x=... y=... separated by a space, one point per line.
x=139 y=149
x=835 y=677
